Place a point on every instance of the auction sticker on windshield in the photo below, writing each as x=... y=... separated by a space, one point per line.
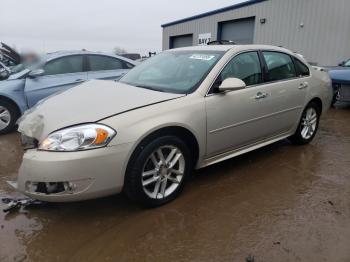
x=202 y=57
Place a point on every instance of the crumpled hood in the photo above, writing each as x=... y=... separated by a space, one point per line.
x=86 y=103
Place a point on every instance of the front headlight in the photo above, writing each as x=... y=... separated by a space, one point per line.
x=78 y=138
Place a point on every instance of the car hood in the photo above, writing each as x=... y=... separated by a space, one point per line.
x=89 y=102
x=340 y=76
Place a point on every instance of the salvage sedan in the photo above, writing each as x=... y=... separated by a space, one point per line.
x=182 y=109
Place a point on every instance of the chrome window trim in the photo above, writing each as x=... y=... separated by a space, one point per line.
x=264 y=83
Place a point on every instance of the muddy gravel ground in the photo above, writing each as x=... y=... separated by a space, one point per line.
x=280 y=203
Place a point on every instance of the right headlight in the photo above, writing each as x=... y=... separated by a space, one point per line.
x=77 y=138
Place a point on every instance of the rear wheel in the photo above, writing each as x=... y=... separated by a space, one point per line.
x=308 y=125
x=8 y=117
x=157 y=171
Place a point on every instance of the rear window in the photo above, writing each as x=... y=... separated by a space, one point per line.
x=100 y=63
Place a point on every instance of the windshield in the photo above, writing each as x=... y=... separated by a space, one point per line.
x=347 y=63
x=174 y=72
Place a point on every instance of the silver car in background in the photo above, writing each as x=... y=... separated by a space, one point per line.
x=182 y=109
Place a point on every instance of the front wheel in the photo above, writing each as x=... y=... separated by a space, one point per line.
x=308 y=125
x=157 y=171
x=8 y=117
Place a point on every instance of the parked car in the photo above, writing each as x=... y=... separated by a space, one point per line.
x=341 y=82
x=28 y=83
x=345 y=63
x=182 y=109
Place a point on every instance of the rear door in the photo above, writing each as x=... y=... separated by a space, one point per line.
x=288 y=79
x=59 y=74
x=106 y=67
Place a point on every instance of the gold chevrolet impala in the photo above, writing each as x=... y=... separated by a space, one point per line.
x=181 y=110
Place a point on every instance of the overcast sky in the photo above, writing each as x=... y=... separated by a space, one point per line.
x=98 y=25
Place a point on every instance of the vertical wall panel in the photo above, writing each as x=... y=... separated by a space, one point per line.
x=324 y=37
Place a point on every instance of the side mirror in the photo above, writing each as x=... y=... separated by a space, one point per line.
x=342 y=63
x=36 y=73
x=231 y=84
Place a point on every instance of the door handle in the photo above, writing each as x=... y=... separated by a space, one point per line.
x=79 y=80
x=261 y=95
x=303 y=85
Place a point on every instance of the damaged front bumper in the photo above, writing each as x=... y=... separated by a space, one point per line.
x=73 y=176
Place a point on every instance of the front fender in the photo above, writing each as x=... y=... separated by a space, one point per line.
x=14 y=90
x=187 y=112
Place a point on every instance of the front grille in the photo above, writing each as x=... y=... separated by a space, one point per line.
x=344 y=93
x=29 y=142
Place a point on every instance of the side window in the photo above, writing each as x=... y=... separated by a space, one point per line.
x=99 y=63
x=280 y=66
x=301 y=68
x=64 y=65
x=246 y=67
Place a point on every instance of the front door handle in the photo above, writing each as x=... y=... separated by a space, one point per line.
x=261 y=95
x=303 y=85
x=79 y=80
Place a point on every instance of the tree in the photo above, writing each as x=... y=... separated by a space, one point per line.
x=119 y=50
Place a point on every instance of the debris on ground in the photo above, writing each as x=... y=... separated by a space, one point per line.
x=14 y=204
x=330 y=202
x=250 y=258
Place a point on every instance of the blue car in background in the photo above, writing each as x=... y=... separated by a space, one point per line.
x=28 y=83
x=341 y=82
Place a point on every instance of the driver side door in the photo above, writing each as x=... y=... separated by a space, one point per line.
x=59 y=75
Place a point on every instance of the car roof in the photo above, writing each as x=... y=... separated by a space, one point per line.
x=57 y=54
x=237 y=48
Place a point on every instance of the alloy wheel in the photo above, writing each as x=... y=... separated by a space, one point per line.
x=309 y=123
x=5 y=117
x=163 y=172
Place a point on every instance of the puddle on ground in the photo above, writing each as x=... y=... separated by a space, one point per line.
x=280 y=203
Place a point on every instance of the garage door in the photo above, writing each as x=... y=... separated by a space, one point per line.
x=181 y=41
x=240 y=31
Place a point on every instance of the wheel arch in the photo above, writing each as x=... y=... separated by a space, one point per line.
x=179 y=131
x=12 y=102
x=318 y=102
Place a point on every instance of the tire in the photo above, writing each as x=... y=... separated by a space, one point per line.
x=308 y=125
x=147 y=174
x=8 y=117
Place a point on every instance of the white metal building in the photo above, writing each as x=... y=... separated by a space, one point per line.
x=317 y=29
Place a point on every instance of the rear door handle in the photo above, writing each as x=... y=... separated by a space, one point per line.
x=261 y=95
x=303 y=85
